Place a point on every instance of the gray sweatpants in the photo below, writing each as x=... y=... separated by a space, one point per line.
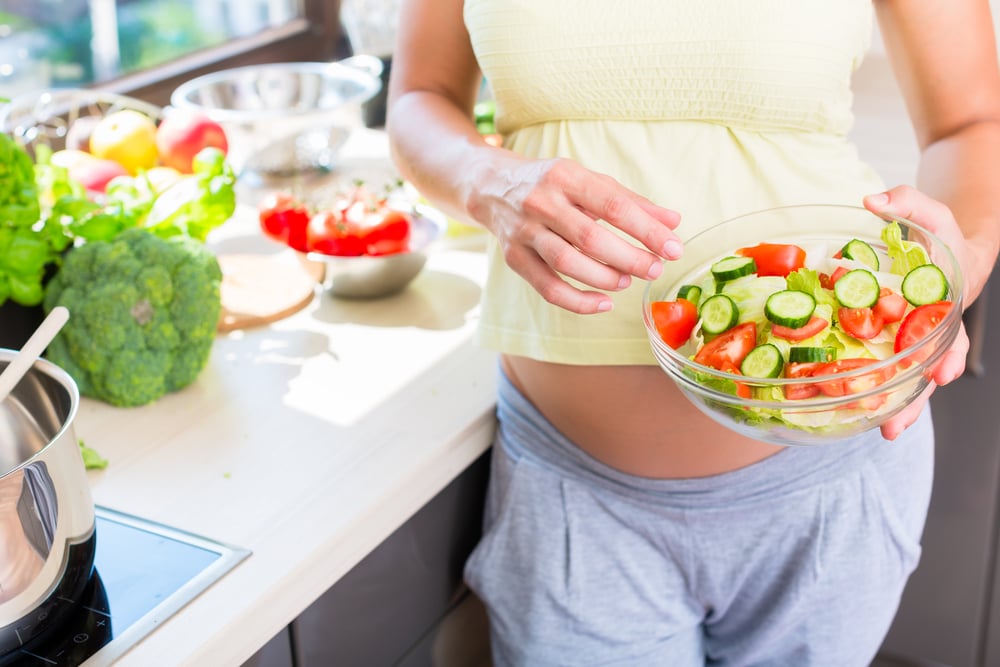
x=798 y=560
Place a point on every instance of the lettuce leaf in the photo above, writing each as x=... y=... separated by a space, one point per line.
x=904 y=255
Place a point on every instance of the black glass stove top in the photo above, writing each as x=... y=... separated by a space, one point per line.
x=143 y=573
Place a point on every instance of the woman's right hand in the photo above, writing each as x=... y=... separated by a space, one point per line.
x=545 y=213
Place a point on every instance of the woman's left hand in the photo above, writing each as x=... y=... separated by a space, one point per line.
x=911 y=204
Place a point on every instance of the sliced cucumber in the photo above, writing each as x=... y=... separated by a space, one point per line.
x=718 y=313
x=730 y=268
x=925 y=284
x=857 y=289
x=790 y=308
x=764 y=361
x=860 y=251
x=806 y=354
x=690 y=292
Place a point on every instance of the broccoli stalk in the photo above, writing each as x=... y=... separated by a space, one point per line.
x=143 y=315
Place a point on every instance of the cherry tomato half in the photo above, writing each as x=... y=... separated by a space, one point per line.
x=775 y=259
x=674 y=320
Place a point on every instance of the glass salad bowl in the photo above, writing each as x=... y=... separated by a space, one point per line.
x=778 y=325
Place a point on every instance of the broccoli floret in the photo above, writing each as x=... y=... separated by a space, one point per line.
x=143 y=315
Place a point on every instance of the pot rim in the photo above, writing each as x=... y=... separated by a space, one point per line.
x=58 y=374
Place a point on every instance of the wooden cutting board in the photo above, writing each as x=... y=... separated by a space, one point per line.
x=260 y=289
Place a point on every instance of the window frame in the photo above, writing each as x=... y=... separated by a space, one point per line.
x=316 y=36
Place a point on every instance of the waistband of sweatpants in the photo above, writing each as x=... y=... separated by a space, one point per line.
x=525 y=433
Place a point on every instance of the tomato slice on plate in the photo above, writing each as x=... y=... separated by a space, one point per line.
x=862 y=323
x=775 y=259
x=674 y=320
x=729 y=346
x=807 y=330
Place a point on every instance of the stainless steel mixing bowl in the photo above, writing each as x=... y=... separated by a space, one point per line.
x=281 y=118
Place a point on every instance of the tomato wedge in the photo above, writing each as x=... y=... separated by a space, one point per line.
x=862 y=323
x=890 y=306
x=852 y=385
x=795 y=392
x=729 y=346
x=807 y=330
x=827 y=281
x=775 y=259
x=674 y=320
x=742 y=390
x=917 y=324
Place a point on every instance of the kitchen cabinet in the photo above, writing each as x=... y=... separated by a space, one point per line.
x=383 y=611
x=950 y=611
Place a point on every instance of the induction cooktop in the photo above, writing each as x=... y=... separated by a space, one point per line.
x=144 y=572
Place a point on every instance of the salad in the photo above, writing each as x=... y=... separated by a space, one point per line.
x=806 y=310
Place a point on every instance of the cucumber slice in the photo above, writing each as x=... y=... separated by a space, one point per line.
x=806 y=354
x=860 y=251
x=924 y=284
x=790 y=308
x=857 y=289
x=718 y=313
x=690 y=292
x=764 y=361
x=730 y=268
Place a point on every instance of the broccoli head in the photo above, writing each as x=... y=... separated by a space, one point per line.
x=143 y=315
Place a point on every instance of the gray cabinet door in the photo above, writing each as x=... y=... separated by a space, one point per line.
x=945 y=612
x=393 y=598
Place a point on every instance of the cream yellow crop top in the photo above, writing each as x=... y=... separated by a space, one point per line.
x=712 y=108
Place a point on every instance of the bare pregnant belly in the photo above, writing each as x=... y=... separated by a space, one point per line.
x=632 y=418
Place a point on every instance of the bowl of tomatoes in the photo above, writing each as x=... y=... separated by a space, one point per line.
x=805 y=325
x=369 y=245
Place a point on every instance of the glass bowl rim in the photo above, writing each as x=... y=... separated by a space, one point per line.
x=944 y=328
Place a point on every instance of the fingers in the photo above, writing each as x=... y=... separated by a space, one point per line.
x=908 y=415
x=909 y=203
x=553 y=288
x=952 y=363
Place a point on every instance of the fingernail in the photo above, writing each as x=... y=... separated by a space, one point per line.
x=604 y=306
x=655 y=269
x=624 y=282
x=672 y=249
x=881 y=199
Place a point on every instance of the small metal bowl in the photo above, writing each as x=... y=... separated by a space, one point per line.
x=373 y=277
x=284 y=118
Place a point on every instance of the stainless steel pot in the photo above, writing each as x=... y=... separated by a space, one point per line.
x=47 y=536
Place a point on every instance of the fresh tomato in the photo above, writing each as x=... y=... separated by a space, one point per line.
x=674 y=320
x=386 y=232
x=918 y=323
x=807 y=330
x=852 y=385
x=862 y=323
x=775 y=259
x=284 y=218
x=742 y=390
x=890 y=306
x=328 y=235
x=729 y=346
x=795 y=392
x=827 y=281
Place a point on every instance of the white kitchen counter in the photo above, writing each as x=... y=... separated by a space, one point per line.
x=307 y=442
